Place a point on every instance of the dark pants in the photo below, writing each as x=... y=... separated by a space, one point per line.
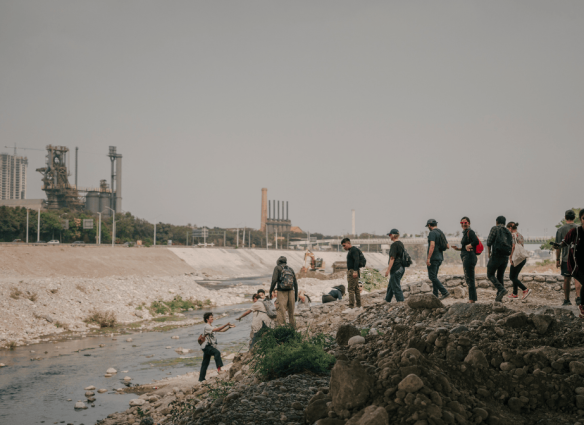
x=497 y=265
x=328 y=299
x=433 y=276
x=579 y=276
x=469 y=263
x=394 y=286
x=514 y=276
x=208 y=352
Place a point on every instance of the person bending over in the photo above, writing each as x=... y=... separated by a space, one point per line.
x=210 y=345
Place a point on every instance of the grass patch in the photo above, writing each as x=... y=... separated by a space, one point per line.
x=373 y=279
x=219 y=389
x=177 y=305
x=283 y=351
x=105 y=319
x=33 y=296
x=15 y=293
x=11 y=345
x=176 y=361
x=139 y=307
x=364 y=332
x=545 y=262
x=169 y=319
x=62 y=325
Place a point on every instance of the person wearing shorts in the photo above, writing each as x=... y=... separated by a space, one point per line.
x=562 y=257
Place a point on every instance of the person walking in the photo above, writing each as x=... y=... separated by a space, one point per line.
x=284 y=280
x=355 y=261
x=395 y=269
x=499 y=247
x=516 y=268
x=209 y=346
x=562 y=258
x=574 y=241
x=437 y=244
x=468 y=255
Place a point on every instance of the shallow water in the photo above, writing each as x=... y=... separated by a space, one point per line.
x=33 y=392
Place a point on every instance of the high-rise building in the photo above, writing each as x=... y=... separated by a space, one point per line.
x=13 y=176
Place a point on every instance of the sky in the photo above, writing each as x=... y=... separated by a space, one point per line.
x=401 y=110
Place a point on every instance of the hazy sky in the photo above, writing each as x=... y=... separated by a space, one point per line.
x=403 y=110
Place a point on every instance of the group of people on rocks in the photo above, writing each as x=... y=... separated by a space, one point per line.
x=505 y=245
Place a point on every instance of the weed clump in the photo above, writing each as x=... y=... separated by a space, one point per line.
x=11 y=345
x=15 y=293
x=283 y=351
x=62 y=325
x=32 y=296
x=105 y=319
x=177 y=305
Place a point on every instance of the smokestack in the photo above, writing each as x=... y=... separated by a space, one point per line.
x=274 y=211
x=119 y=183
x=278 y=210
x=286 y=210
x=269 y=209
x=264 y=209
x=353 y=223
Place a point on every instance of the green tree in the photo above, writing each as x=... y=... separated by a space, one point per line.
x=548 y=244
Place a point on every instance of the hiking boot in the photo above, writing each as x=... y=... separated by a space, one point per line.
x=526 y=293
x=512 y=296
x=501 y=294
x=567 y=302
x=443 y=297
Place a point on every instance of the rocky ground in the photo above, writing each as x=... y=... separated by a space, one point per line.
x=420 y=362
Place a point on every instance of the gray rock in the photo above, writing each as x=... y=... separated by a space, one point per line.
x=423 y=301
x=411 y=383
x=577 y=368
x=371 y=415
x=137 y=402
x=80 y=405
x=345 y=333
x=356 y=340
x=476 y=358
x=542 y=322
x=316 y=410
x=516 y=320
x=350 y=385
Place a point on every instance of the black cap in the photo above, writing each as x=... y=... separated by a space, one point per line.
x=431 y=222
x=393 y=232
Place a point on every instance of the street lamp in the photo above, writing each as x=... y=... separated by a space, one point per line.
x=113 y=226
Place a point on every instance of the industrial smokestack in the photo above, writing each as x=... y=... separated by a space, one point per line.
x=287 y=210
x=274 y=212
x=264 y=209
x=119 y=183
x=270 y=209
x=278 y=210
x=353 y=223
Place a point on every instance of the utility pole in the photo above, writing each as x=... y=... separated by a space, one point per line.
x=266 y=237
x=39 y=227
x=27 y=211
x=276 y=239
x=250 y=239
x=237 y=243
x=99 y=230
x=154 y=234
x=243 y=239
x=205 y=236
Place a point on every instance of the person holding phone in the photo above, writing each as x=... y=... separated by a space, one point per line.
x=467 y=249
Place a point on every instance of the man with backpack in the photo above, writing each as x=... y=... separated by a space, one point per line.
x=287 y=286
x=499 y=247
x=355 y=260
x=437 y=244
x=562 y=257
x=574 y=241
x=398 y=259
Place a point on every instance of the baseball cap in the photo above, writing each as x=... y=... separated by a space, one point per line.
x=431 y=222
x=393 y=232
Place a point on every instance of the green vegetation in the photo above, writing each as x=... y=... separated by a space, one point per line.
x=283 y=351
x=364 y=332
x=219 y=390
x=373 y=279
x=548 y=244
x=105 y=319
x=545 y=262
x=11 y=345
x=177 y=305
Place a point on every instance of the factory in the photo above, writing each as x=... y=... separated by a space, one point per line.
x=270 y=221
x=62 y=194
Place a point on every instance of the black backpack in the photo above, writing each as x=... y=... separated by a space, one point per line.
x=286 y=282
x=503 y=243
x=406 y=260
x=362 y=259
x=442 y=242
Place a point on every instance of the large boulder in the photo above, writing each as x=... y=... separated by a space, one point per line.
x=424 y=301
x=477 y=358
x=345 y=333
x=350 y=385
x=371 y=415
x=516 y=320
x=411 y=383
x=316 y=410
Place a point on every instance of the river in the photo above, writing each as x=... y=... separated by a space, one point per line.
x=38 y=391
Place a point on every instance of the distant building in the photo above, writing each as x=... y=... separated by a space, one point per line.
x=12 y=176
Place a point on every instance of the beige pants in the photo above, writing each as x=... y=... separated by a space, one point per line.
x=286 y=301
x=354 y=294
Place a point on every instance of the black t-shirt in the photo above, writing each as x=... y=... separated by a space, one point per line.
x=396 y=251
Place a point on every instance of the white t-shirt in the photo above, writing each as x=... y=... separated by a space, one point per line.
x=210 y=338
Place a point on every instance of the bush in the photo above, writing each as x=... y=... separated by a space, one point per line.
x=158 y=307
x=105 y=319
x=15 y=293
x=33 y=296
x=283 y=351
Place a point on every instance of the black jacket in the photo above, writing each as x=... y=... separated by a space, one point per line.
x=278 y=273
x=353 y=258
x=468 y=237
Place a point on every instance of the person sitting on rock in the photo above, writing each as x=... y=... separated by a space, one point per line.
x=210 y=345
x=335 y=294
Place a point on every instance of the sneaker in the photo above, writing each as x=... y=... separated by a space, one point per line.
x=567 y=302
x=581 y=308
x=501 y=294
x=578 y=301
x=526 y=293
x=512 y=296
x=443 y=297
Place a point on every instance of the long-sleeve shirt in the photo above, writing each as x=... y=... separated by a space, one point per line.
x=493 y=235
x=353 y=258
x=276 y=278
x=468 y=237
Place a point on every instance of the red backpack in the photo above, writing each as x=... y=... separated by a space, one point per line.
x=480 y=248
